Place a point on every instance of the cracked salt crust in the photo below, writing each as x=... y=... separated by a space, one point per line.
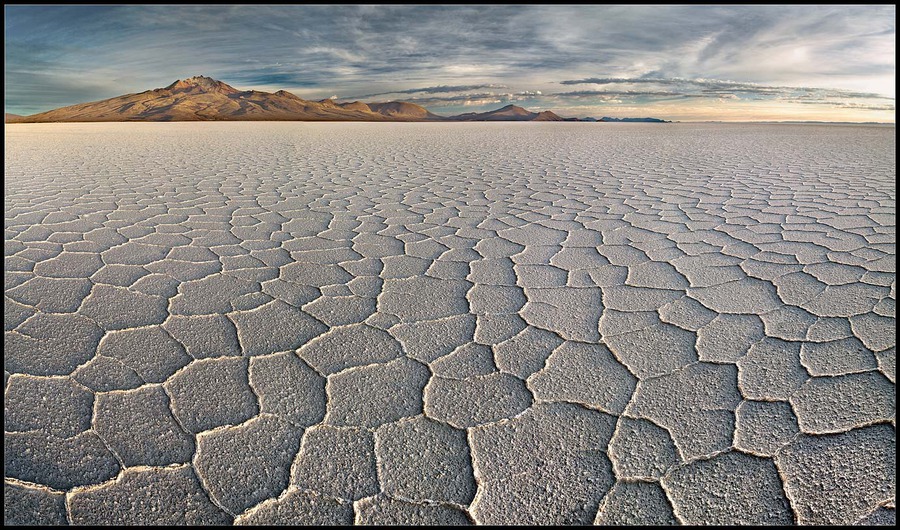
x=333 y=323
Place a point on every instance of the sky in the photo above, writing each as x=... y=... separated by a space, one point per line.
x=686 y=63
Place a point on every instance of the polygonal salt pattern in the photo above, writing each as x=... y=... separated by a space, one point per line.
x=256 y=324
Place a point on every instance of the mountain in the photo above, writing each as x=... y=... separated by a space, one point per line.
x=546 y=116
x=633 y=120
x=403 y=110
x=392 y=110
x=202 y=98
x=507 y=113
x=356 y=105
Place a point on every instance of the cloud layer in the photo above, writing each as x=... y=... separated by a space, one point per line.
x=690 y=62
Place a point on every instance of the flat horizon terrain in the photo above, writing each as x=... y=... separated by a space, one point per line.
x=414 y=323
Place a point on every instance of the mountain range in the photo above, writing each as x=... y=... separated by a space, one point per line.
x=201 y=98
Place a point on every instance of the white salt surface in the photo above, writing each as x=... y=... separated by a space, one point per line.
x=283 y=323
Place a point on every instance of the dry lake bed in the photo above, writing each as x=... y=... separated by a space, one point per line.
x=497 y=323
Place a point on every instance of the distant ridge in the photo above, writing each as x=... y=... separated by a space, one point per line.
x=507 y=113
x=631 y=120
x=402 y=109
x=202 y=98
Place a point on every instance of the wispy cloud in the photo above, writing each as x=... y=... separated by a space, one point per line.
x=847 y=105
x=722 y=90
x=617 y=93
x=719 y=85
x=476 y=98
x=442 y=89
x=461 y=54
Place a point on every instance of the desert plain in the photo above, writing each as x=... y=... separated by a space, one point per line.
x=449 y=323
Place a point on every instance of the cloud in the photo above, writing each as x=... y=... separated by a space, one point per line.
x=722 y=91
x=847 y=105
x=619 y=93
x=714 y=86
x=61 y=55
x=441 y=89
x=470 y=99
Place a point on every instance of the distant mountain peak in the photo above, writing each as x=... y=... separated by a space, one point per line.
x=514 y=108
x=201 y=83
x=286 y=94
x=202 y=80
x=546 y=115
x=402 y=109
x=507 y=113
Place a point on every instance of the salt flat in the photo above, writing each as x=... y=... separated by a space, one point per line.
x=273 y=323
